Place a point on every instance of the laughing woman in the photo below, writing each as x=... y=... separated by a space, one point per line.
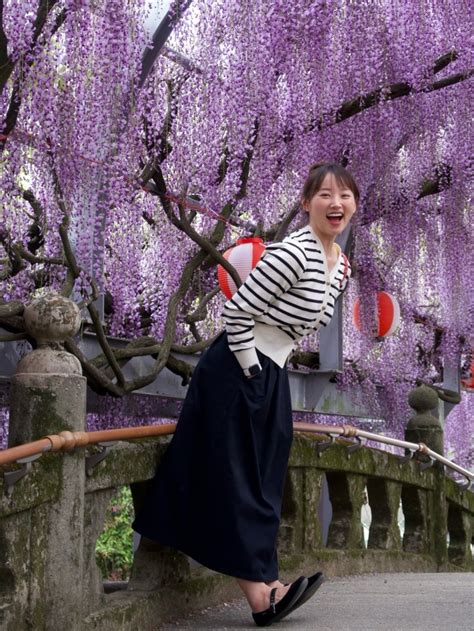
x=217 y=494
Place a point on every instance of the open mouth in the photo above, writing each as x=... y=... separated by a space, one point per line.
x=335 y=219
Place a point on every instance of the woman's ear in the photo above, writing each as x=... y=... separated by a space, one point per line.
x=304 y=204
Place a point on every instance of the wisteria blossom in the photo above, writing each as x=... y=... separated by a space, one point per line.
x=132 y=189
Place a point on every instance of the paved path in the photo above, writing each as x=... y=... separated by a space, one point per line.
x=379 y=602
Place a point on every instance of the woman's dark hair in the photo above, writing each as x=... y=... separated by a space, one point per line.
x=318 y=172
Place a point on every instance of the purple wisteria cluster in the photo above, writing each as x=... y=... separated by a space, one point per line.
x=243 y=100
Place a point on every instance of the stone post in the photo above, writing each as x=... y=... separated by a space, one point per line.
x=425 y=427
x=345 y=493
x=48 y=396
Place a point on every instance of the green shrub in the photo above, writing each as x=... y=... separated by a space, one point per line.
x=114 y=547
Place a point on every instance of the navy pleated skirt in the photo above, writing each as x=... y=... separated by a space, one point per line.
x=217 y=494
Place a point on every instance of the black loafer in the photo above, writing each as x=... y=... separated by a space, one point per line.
x=283 y=607
x=314 y=583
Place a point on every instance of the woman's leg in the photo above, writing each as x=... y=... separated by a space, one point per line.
x=275 y=584
x=258 y=594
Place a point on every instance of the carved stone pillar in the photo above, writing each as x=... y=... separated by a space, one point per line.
x=415 y=508
x=384 y=496
x=460 y=536
x=299 y=528
x=346 y=495
x=48 y=395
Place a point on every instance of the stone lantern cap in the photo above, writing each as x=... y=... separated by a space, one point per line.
x=423 y=399
x=50 y=319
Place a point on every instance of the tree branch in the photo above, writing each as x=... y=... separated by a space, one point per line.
x=13 y=324
x=387 y=93
x=44 y=9
x=7 y=66
x=448 y=81
x=148 y=345
x=35 y=231
x=13 y=337
x=170 y=324
x=201 y=312
x=194 y=331
x=441 y=182
x=96 y=378
x=309 y=359
x=228 y=209
x=191 y=349
x=164 y=147
x=183 y=224
x=15 y=263
x=11 y=308
x=449 y=396
x=37 y=260
x=60 y=19
x=444 y=61
x=245 y=168
x=181 y=368
x=163 y=348
x=74 y=272
x=207 y=247
x=159 y=155
x=94 y=314
x=104 y=344
x=278 y=231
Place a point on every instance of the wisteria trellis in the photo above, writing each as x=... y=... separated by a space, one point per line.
x=270 y=87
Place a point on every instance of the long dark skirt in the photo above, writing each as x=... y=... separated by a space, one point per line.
x=217 y=494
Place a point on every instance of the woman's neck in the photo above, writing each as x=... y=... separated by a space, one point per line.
x=328 y=244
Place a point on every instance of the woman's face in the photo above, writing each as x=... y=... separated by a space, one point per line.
x=330 y=209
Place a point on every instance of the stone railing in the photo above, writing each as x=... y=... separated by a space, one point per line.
x=31 y=550
x=432 y=504
x=51 y=518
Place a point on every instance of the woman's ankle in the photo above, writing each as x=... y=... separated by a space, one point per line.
x=276 y=583
x=256 y=593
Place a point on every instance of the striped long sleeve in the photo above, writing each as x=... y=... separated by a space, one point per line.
x=280 y=268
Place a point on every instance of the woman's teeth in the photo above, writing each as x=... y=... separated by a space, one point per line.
x=335 y=216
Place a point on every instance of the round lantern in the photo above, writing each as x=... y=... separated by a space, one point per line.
x=469 y=382
x=244 y=255
x=388 y=314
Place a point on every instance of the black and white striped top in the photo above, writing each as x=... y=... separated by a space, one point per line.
x=290 y=289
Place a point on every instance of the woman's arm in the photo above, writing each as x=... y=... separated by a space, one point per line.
x=279 y=269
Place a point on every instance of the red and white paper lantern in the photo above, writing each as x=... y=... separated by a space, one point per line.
x=244 y=256
x=388 y=315
x=469 y=382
